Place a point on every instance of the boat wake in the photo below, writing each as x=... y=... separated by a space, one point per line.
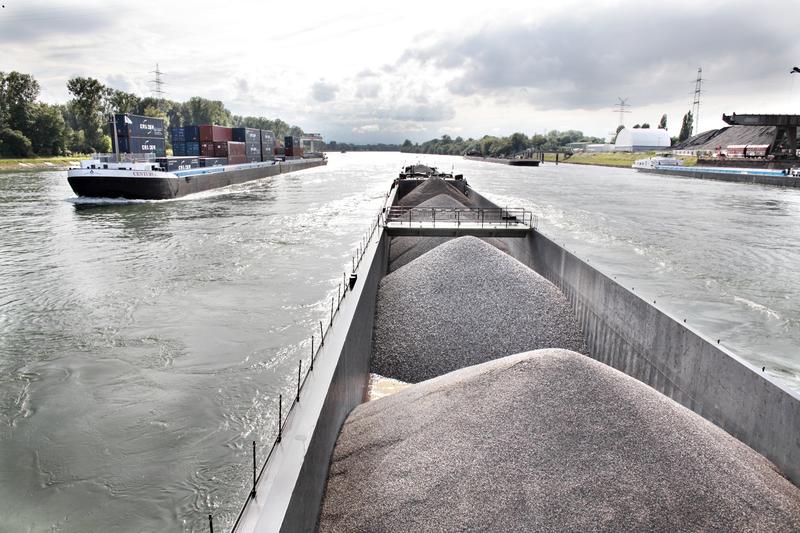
x=757 y=307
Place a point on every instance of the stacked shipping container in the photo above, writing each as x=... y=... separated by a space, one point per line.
x=138 y=135
x=251 y=137
x=218 y=145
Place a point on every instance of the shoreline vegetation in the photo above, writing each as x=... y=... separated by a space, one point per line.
x=606 y=159
x=35 y=132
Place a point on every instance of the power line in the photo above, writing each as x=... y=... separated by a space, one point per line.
x=158 y=83
x=698 y=90
x=622 y=107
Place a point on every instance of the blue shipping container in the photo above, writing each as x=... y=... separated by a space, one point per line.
x=191 y=134
x=177 y=135
x=192 y=148
x=178 y=148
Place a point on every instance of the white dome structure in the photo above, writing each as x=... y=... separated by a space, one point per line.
x=641 y=140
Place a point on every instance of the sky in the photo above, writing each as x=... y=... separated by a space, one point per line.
x=369 y=72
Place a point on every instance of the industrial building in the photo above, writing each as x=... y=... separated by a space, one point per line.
x=641 y=140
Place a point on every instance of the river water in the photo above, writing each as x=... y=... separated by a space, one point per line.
x=143 y=344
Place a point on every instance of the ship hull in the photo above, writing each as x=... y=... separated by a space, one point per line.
x=148 y=185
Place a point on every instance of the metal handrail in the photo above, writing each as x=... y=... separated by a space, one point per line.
x=493 y=216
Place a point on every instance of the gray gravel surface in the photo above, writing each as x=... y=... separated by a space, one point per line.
x=463 y=303
x=546 y=441
x=431 y=188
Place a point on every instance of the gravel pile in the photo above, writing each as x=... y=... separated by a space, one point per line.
x=546 y=441
x=431 y=188
x=463 y=303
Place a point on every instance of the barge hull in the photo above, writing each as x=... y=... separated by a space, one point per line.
x=174 y=186
x=733 y=177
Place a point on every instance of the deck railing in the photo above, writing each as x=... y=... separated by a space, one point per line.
x=507 y=217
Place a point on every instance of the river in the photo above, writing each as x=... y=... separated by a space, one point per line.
x=143 y=344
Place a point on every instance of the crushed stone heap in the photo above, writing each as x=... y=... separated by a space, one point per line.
x=430 y=188
x=463 y=303
x=546 y=441
x=403 y=250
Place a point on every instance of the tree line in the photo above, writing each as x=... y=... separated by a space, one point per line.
x=29 y=127
x=487 y=146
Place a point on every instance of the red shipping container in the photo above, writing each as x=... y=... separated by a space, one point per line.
x=207 y=149
x=221 y=149
x=228 y=148
x=210 y=133
x=237 y=159
x=237 y=148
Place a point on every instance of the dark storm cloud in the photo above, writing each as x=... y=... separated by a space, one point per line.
x=323 y=92
x=586 y=59
x=23 y=24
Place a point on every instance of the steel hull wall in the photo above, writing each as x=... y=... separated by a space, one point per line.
x=150 y=188
x=780 y=181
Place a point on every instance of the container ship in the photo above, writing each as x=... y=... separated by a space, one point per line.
x=204 y=157
x=623 y=417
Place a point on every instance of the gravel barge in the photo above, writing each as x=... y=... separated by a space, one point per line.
x=546 y=395
x=762 y=176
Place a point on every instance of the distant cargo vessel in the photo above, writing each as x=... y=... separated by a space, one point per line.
x=205 y=157
x=787 y=177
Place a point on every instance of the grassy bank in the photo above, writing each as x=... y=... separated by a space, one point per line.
x=39 y=163
x=610 y=159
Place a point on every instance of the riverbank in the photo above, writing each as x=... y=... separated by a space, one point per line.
x=610 y=159
x=601 y=159
x=38 y=163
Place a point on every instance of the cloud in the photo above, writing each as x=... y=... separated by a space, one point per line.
x=368 y=90
x=367 y=128
x=29 y=24
x=323 y=92
x=585 y=60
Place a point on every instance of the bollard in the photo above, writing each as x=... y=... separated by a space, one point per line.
x=299 y=371
x=312 y=352
x=211 y=523
x=253 y=492
x=280 y=417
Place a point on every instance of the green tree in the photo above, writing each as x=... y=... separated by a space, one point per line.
x=645 y=126
x=18 y=94
x=202 y=111
x=662 y=125
x=686 y=127
x=88 y=105
x=519 y=142
x=14 y=144
x=122 y=102
x=49 y=132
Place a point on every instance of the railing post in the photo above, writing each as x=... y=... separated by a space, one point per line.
x=331 y=310
x=321 y=334
x=299 y=371
x=211 y=523
x=280 y=417
x=434 y=216
x=312 y=352
x=339 y=301
x=458 y=218
x=253 y=492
